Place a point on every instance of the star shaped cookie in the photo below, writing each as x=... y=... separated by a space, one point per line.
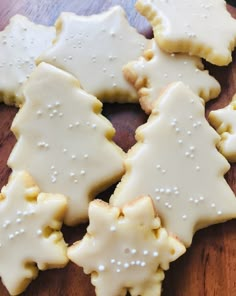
x=30 y=237
x=224 y=121
x=94 y=49
x=176 y=163
x=21 y=43
x=125 y=249
x=63 y=140
x=199 y=27
x=153 y=71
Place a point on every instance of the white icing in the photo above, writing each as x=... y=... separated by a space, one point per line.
x=200 y=27
x=52 y=147
x=156 y=69
x=25 y=218
x=94 y=49
x=183 y=179
x=20 y=44
x=224 y=121
x=132 y=258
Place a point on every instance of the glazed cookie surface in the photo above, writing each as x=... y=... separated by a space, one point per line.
x=94 y=49
x=176 y=162
x=63 y=140
x=21 y=43
x=153 y=71
x=201 y=28
x=125 y=249
x=30 y=224
x=224 y=121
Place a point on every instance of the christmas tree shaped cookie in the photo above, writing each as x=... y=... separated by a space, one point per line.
x=94 y=49
x=224 y=121
x=30 y=224
x=176 y=162
x=199 y=27
x=20 y=44
x=153 y=71
x=125 y=249
x=63 y=140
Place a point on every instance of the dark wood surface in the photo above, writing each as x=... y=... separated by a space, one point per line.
x=209 y=266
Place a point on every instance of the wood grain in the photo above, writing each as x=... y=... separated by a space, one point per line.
x=209 y=266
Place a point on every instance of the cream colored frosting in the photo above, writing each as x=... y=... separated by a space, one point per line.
x=224 y=121
x=29 y=232
x=176 y=162
x=125 y=249
x=94 y=49
x=63 y=140
x=152 y=72
x=199 y=27
x=20 y=43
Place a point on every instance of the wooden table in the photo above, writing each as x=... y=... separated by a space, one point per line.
x=209 y=266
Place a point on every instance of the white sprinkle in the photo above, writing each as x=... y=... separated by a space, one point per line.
x=197 y=168
x=163 y=171
x=177 y=130
x=145 y=252
x=158 y=166
x=39 y=112
x=72 y=174
x=192 y=148
x=73 y=156
x=138 y=262
x=11 y=236
x=101 y=267
x=201 y=197
x=196 y=201
x=189 y=133
x=133 y=251
x=155 y=254
x=18 y=220
x=19 y=213
x=70 y=126
x=168 y=191
x=180 y=141
x=82 y=172
x=219 y=213
x=85 y=156
x=119 y=263
x=143 y=264
x=157 y=197
x=39 y=232
x=162 y=190
x=112 y=228
x=113 y=261
x=94 y=125
x=118 y=270
x=184 y=217
x=213 y=205
x=132 y=263
x=126 y=265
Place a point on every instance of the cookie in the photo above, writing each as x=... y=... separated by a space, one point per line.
x=63 y=140
x=224 y=121
x=153 y=71
x=176 y=163
x=125 y=249
x=30 y=236
x=195 y=29
x=20 y=43
x=94 y=49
